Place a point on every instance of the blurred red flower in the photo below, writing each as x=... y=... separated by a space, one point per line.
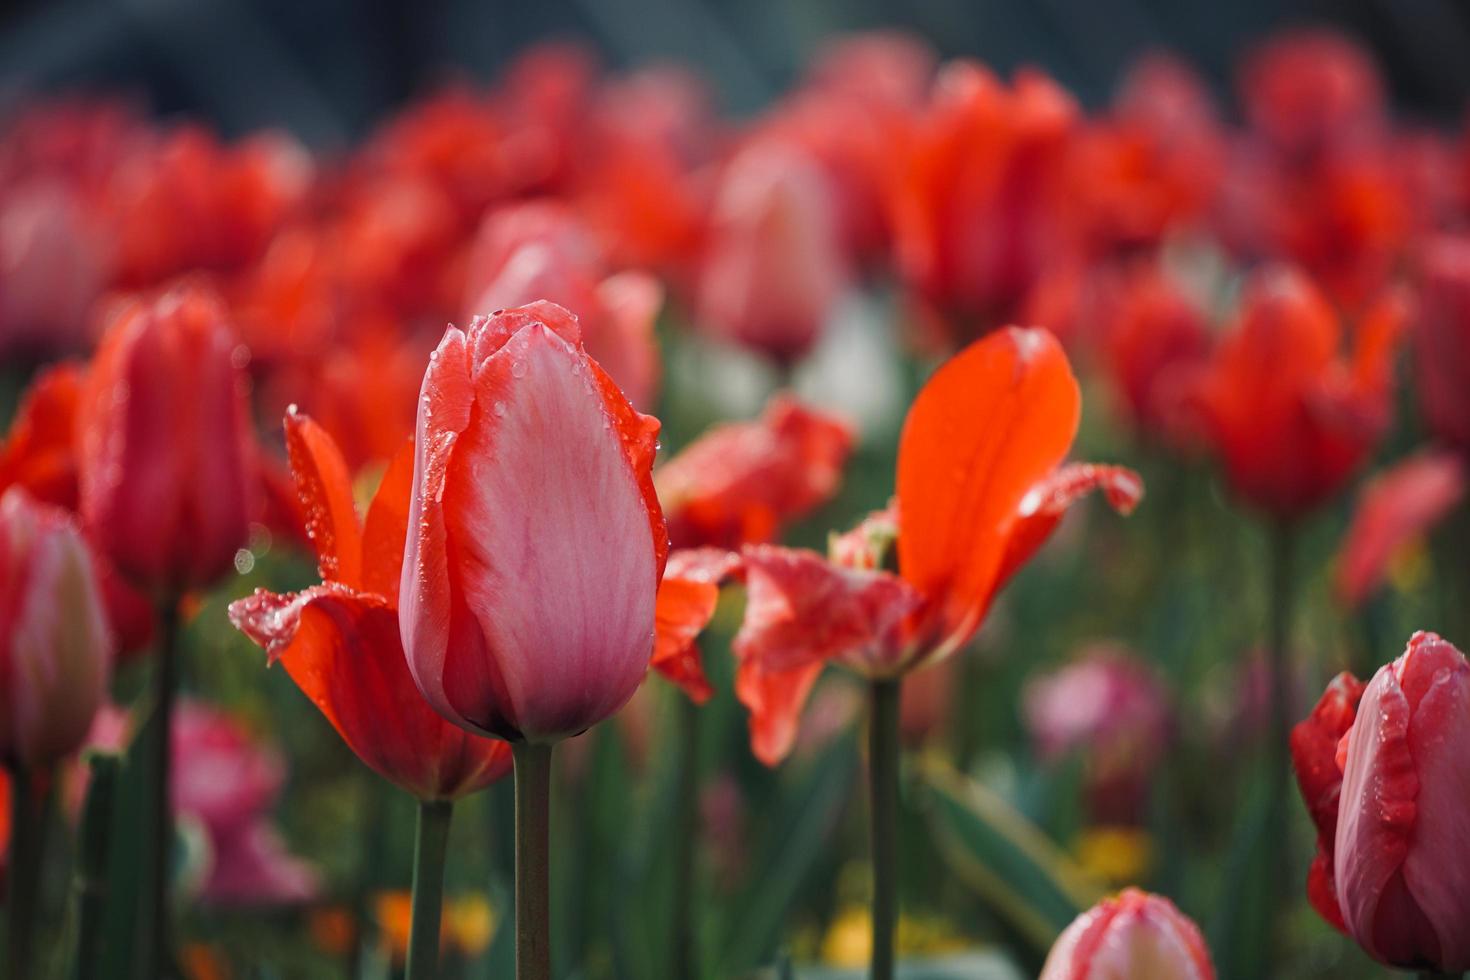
x=1441 y=338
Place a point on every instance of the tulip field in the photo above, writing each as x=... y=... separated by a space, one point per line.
x=929 y=528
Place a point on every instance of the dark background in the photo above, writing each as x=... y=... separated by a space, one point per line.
x=328 y=69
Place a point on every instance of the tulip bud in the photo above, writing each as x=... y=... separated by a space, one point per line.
x=535 y=543
x=1133 y=935
x=1402 y=852
x=166 y=467
x=55 y=648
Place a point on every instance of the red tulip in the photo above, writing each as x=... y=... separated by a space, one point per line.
x=1314 y=755
x=339 y=641
x=55 y=647
x=39 y=451
x=1289 y=415
x=977 y=206
x=1135 y=935
x=743 y=482
x=542 y=251
x=773 y=269
x=1402 y=852
x=1306 y=90
x=536 y=544
x=165 y=452
x=1397 y=508
x=1442 y=339
x=980 y=488
x=52 y=268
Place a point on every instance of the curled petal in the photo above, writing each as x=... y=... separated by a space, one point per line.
x=386 y=527
x=1045 y=504
x=774 y=699
x=1314 y=745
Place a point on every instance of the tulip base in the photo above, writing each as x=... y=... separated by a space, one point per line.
x=883 y=798
x=431 y=839
x=533 y=861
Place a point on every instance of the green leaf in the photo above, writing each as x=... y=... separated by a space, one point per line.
x=1026 y=879
x=1240 y=932
x=966 y=966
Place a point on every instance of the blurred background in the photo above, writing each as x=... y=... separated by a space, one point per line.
x=328 y=69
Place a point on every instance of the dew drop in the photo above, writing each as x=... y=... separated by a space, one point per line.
x=518 y=368
x=244 y=561
x=500 y=409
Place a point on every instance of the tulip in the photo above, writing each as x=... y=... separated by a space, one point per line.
x=977 y=206
x=1396 y=509
x=166 y=479
x=1442 y=339
x=1135 y=935
x=1110 y=706
x=340 y=641
x=1401 y=856
x=979 y=488
x=535 y=549
x=55 y=657
x=744 y=482
x=165 y=460
x=1314 y=743
x=54 y=638
x=542 y=251
x=1305 y=90
x=774 y=268
x=1291 y=436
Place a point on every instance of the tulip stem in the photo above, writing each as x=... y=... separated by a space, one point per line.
x=883 y=796
x=686 y=833
x=27 y=840
x=1279 y=754
x=89 y=884
x=156 y=949
x=533 y=861
x=430 y=842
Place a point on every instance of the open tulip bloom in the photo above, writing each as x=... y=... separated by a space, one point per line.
x=980 y=486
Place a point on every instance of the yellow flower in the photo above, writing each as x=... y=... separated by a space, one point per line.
x=1116 y=855
x=467 y=926
x=849 y=939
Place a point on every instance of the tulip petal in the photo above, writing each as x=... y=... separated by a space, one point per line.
x=1438 y=735
x=1377 y=812
x=343 y=650
x=553 y=554
x=1314 y=745
x=990 y=424
x=1046 y=503
x=325 y=487
x=39 y=451
x=639 y=436
x=386 y=527
x=774 y=700
x=1397 y=507
x=687 y=598
x=801 y=609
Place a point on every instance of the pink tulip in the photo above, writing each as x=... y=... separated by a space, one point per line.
x=1402 y=851
x=535 y=544
x=166 y=464
x=55 y=647
x=1135 y=935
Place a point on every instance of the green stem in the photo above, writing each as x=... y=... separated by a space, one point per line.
x=157 y=950
x=533 y=861
x=431 y=839
x=883 y=796
x=686 y=833
x=26 y=843
x=89 y=885
x=1282 y=879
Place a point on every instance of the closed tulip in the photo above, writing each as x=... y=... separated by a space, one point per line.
x=1402 y=855
x=1135 y=936
x=536 y=543
x=166 y=467
x=55 y=646
x=339 y=641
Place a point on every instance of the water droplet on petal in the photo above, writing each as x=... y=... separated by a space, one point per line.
x=518 y=368
x=500 y=409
